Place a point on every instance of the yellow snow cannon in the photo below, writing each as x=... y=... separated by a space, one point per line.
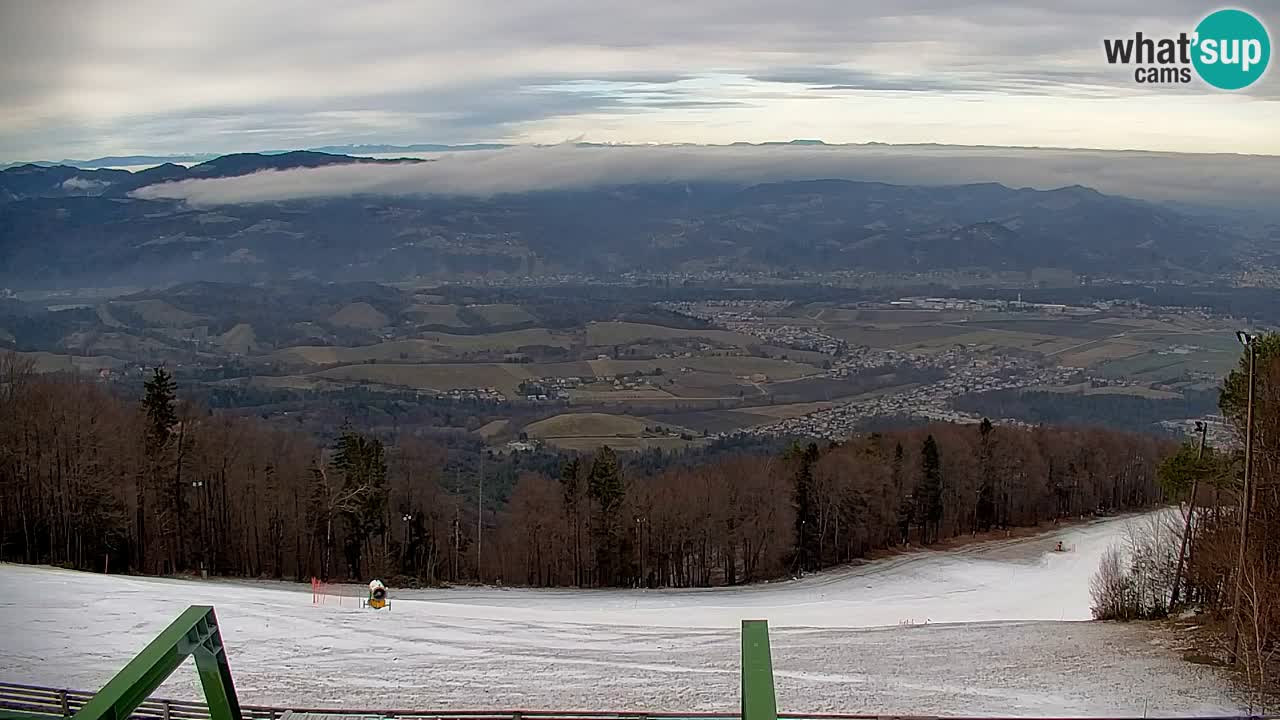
x=377 y=595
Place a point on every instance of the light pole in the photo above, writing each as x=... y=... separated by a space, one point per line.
x=202 y=525
x=1250 y=342
x=1202 y=429
x=404 y=548
x=640 y=548
x=480 y=519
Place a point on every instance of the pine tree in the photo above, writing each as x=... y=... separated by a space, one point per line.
x=159 y=401
x=805 y=504
x=604 y=487
x=571 y=488
x=984 y=509
x=362 y=463
x=930 y=489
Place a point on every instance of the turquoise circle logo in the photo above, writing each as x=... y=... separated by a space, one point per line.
x=1232 y=49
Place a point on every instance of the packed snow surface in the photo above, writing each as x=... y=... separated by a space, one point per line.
x=985 y=630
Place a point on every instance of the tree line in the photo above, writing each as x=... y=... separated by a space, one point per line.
x=92 y=481
x=1232 y=575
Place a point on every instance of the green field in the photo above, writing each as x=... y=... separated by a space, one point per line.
x=441 y=376
x=359 y=315
x=1057 y=327
x=159 y=313
x=625 y=444
x=623 y=333
x=1155 y=367
x=591 y=425
x=882 y=336
x=431 y=347
x=427 y=314
x=502 y=314
x=587 y=431
x=43 y=362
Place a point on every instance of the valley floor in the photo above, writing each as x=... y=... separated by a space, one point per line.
x=989 y=629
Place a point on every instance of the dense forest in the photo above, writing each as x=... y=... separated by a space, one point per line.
x=93 y=481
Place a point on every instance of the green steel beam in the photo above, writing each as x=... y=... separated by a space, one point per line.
x=758 y=701
x=194 y=633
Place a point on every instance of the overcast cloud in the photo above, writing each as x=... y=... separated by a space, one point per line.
x=1218 y=180
x=92 y=77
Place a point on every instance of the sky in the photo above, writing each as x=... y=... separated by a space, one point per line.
x=84 y=78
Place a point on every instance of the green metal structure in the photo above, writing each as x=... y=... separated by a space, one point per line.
x=194 y=633
x=758 y=701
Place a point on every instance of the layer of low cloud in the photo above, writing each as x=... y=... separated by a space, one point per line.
x=1229 y=181
x=83 y=184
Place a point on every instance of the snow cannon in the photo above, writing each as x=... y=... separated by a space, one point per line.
x=377 y=595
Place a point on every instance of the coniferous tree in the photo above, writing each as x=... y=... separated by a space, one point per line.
x=930 y=489
x=806 y=505
x=985 y=506
x=605 y=488
x=159 y=402
x=571 y=492
x=361 y=463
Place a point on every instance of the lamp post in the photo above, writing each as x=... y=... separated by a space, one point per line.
x=202 y=525
x=640 y=521
x=1250 y=342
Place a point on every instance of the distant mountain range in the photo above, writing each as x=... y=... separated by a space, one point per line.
x=115 y=161
x=62 y=226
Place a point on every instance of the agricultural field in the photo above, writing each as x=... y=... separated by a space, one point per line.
x=429 y=314
x=602 y=393
x=1153 y=366
x=997 y=338
x=493 y=429
x=438 y=377
x=1116 y=346
x=502 y=314
x=1086 y=389
x=625 y=444
x=430 y=347
x=44 y=362
x=359 y=315
x=157 y=313
x=1095 y=353
x=241 y=340
x=587 y=431
x=894 y=336
x=625 y=333
x=784 y=411
x=587 y=425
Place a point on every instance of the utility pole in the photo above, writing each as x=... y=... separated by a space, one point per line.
x=457 y=524
x=1203 y=429
x=1246 y=489
x=480 y=518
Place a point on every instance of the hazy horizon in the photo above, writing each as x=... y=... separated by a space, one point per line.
x=91 y=78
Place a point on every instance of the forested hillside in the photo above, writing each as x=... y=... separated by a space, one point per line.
x=91 y=481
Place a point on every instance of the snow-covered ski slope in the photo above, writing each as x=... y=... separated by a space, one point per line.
x=995 y=643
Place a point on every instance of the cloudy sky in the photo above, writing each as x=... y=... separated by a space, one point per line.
x=80 y=79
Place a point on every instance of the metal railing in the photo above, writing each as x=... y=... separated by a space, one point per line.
x=65 y=703
x=56 y=702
